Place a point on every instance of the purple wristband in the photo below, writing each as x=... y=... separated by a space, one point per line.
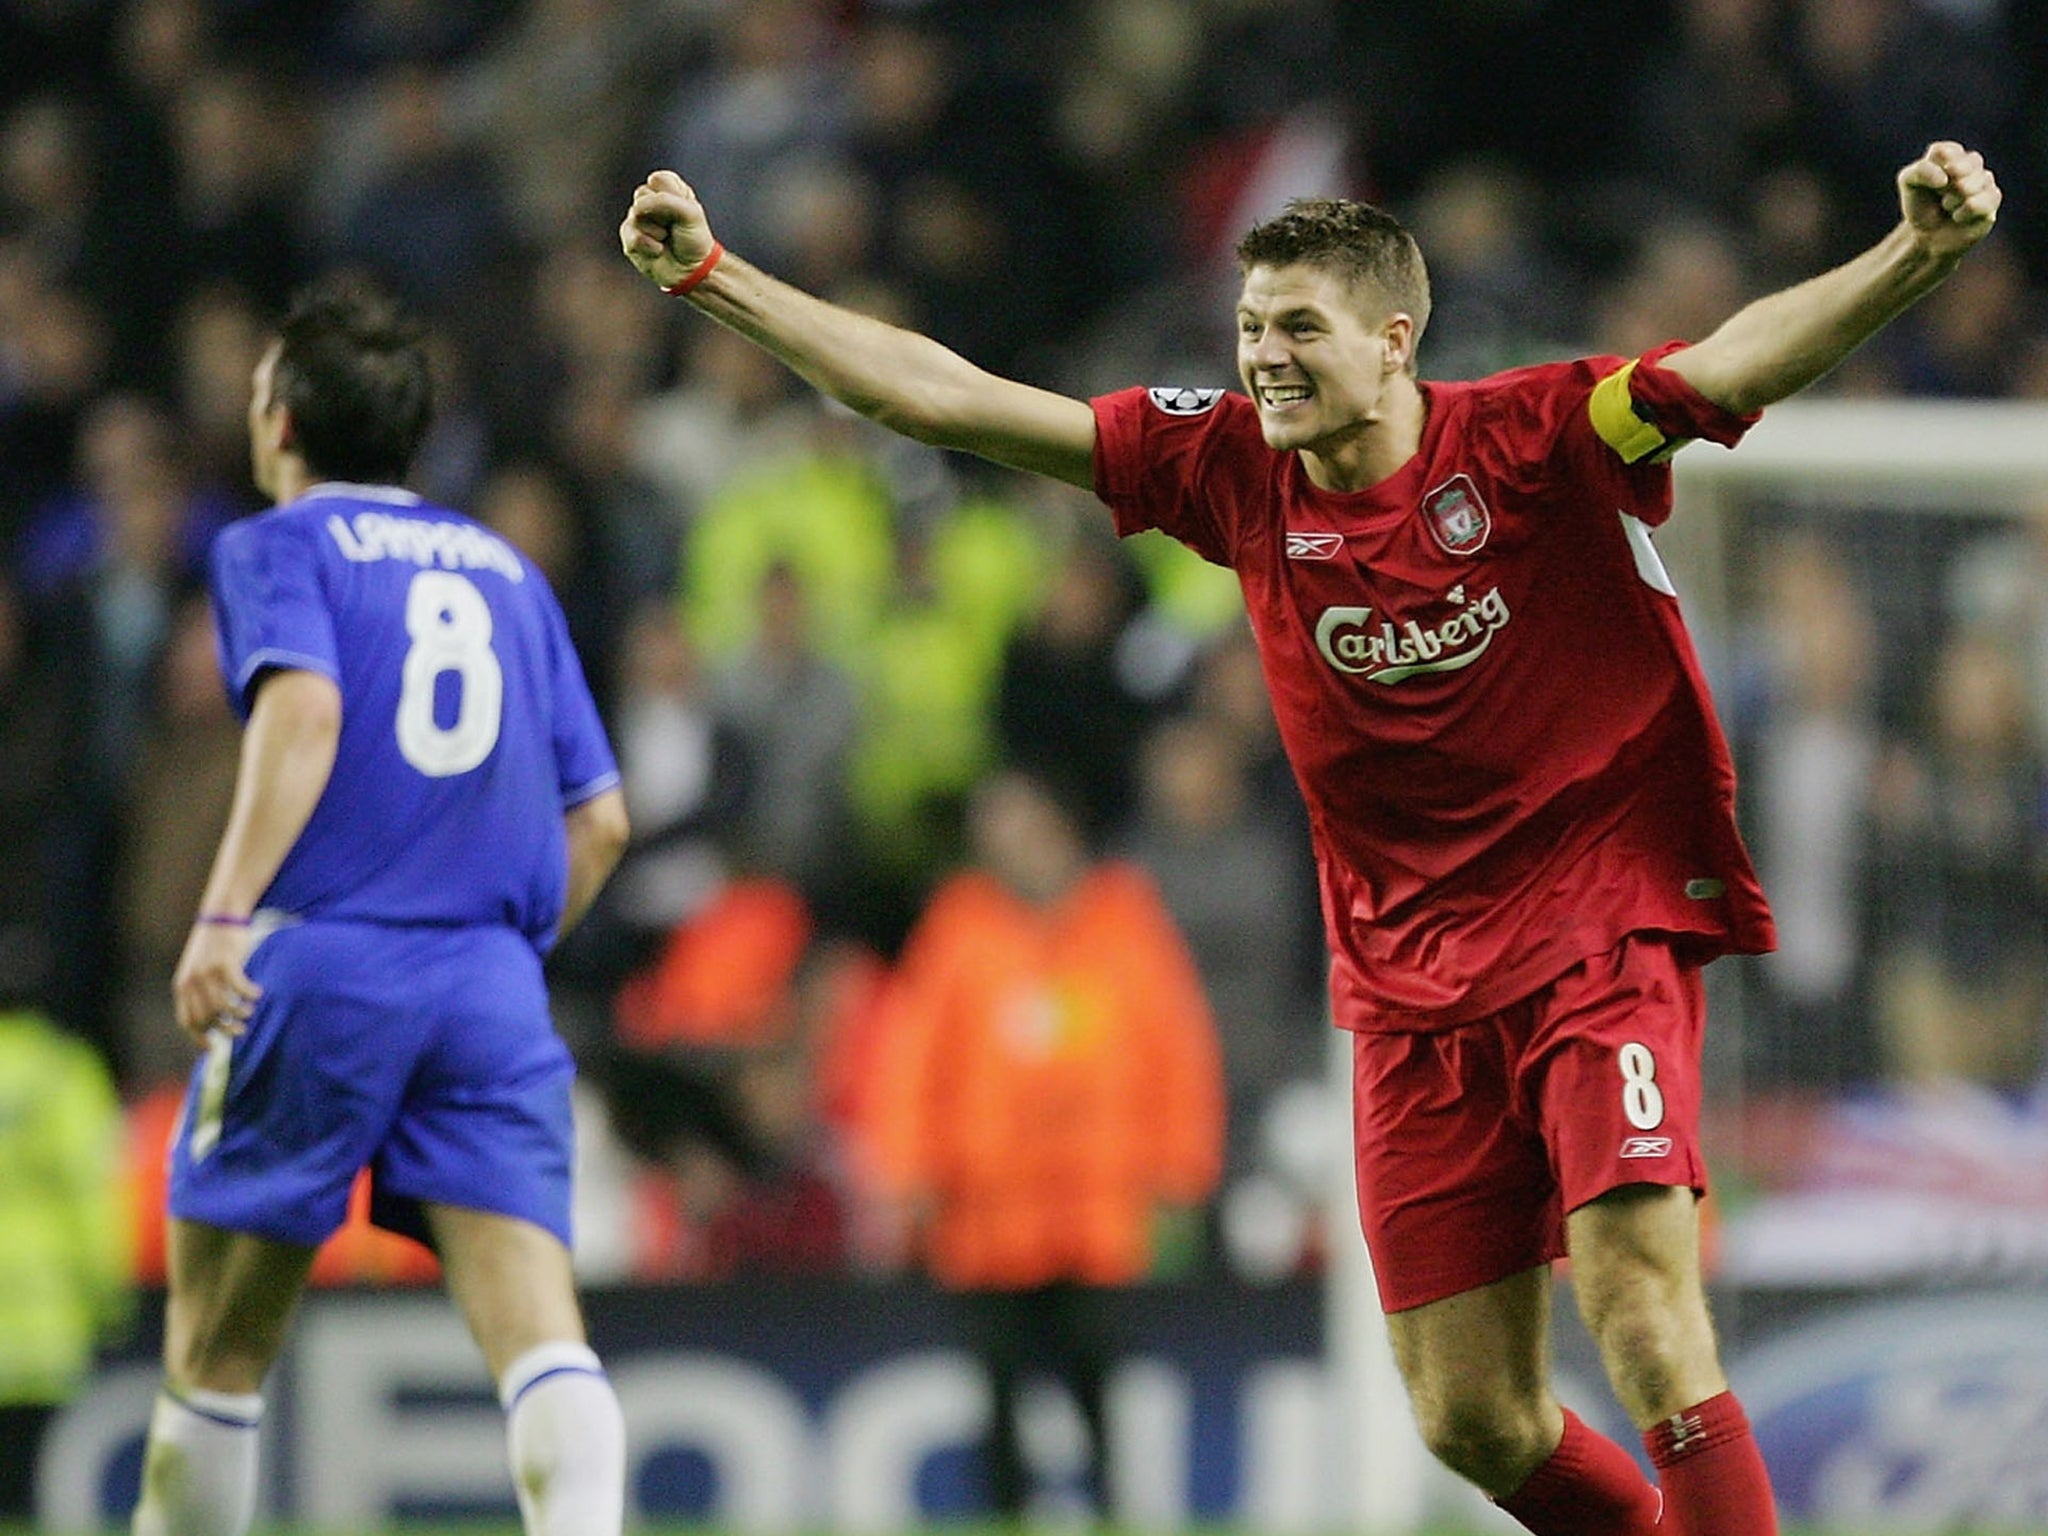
x=222 y=920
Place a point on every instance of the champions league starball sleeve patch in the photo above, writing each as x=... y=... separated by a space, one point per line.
x=1183 y=401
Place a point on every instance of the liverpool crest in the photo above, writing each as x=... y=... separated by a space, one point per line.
x=1458 y=519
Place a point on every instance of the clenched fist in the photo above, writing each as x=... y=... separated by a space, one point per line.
x=1949 y=198
x=665 y=233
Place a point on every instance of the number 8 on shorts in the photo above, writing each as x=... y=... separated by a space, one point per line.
x=1641 y=1099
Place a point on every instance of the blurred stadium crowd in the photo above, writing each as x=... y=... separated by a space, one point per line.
x=814 y=641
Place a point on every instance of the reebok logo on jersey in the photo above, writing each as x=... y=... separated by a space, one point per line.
x=1185 y=402
x=1313 y=546
x=1646 y=1146
x=1392 y=653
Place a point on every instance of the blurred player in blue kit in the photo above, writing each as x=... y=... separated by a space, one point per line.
x=426 y=801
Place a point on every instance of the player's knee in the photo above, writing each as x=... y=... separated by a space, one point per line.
x=1487 y=1441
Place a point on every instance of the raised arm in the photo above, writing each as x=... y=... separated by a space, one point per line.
x=907 y=382
x=1778 y=345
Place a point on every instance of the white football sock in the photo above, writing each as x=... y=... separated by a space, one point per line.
x=567 y=1442
x=199 y=1473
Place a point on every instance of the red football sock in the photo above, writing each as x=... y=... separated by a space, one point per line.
x=1589 y=1487
x=1713 y=1474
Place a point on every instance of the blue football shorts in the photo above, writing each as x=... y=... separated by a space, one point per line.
x=425 y=1054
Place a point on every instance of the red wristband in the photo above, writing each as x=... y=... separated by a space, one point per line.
x=697 y=273
x=222 y=920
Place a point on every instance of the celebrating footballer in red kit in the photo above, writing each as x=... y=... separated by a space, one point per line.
x=1522 y=805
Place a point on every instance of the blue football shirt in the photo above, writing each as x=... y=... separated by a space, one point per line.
x=467 y=726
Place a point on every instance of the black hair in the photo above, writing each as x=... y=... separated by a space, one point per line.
x=353 y=372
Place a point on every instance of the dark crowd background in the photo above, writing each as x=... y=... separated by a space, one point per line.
x=813 y=642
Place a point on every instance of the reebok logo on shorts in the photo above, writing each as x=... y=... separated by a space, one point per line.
x=1646 y=1146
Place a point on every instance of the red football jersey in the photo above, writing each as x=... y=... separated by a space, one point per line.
x=1479 y=671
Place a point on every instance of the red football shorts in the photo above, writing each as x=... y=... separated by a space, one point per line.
x=1473 y=1142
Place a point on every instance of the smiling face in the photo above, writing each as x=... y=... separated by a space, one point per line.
x=1325 y=365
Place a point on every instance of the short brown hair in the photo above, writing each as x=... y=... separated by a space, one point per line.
x=1359 y=242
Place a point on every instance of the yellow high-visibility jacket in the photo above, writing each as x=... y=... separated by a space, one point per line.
x=65 y=1227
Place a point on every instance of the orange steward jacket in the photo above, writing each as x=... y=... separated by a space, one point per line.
x=1046 y=1077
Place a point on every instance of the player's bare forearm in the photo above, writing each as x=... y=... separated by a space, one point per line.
x=1775 y=347
x=597 y=832
x=288 y=754
x=903 y=380
x=894 y=376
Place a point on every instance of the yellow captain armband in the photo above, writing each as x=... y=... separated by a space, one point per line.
x=1614 y=417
